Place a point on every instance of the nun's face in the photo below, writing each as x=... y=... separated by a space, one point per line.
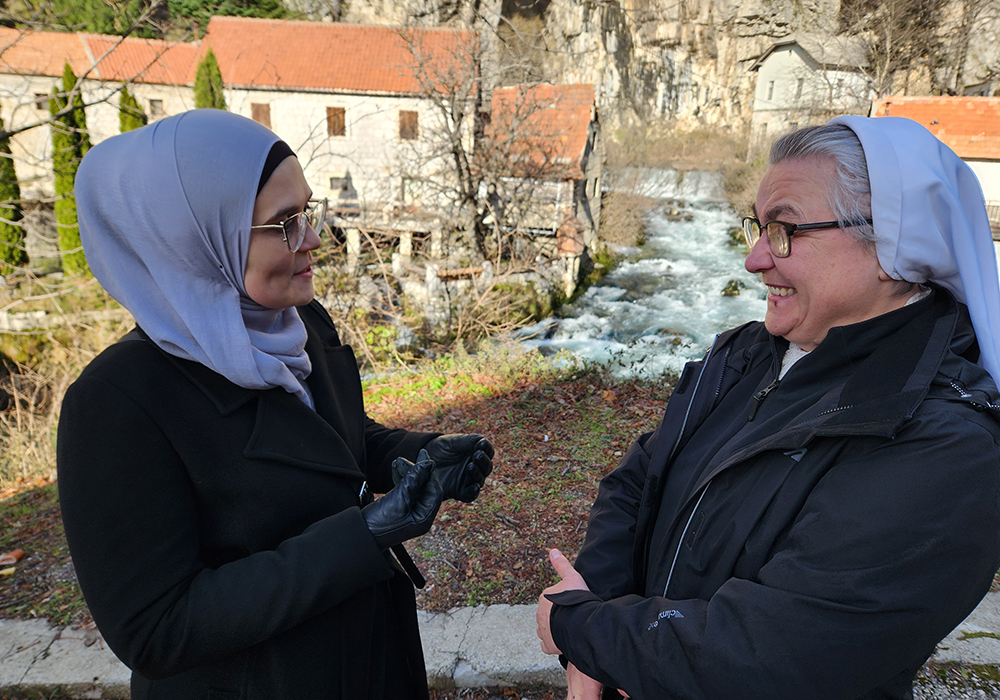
x=829 y=279
x=274 y=276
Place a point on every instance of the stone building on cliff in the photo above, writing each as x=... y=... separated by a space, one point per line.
x=803 y=80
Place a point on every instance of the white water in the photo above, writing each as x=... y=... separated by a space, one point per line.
x=663 y=305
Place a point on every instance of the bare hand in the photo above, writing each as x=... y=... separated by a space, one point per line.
x=571 y=581
x=581 y=686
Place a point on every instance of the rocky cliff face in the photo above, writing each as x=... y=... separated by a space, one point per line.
x=683 y=61
x=648 y=59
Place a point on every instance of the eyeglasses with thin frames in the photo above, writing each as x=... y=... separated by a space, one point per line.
x=779 y=233
x=293 y=229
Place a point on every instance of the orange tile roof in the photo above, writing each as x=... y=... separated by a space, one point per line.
x=970 y=126
x=545 y=128
x=130 y=60
x=41 y=53
x=334 y=56
x=142 y=60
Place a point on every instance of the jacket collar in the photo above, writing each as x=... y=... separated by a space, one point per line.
x=889 y=363
x=281 y=418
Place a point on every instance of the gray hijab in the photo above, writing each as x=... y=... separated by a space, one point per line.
x=165 y=215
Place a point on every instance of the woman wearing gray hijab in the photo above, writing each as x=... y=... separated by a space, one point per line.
x=216 y=465
x=819 y=505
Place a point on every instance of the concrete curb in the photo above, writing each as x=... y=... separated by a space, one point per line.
x=977 y=639
x=466 y=648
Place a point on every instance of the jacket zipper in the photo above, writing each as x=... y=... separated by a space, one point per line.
x=680 y=542
x=673 y=449
x=966 y=395
x=759 y=397
x=694 y=394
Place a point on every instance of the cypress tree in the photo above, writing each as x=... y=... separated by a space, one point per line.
x=130 y=114
x=12 y=251
x=78 y=115
x=208 y=83
x=70 y=143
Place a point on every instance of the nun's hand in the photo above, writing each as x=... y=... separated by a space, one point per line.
x=409 y=509
x=461 y=464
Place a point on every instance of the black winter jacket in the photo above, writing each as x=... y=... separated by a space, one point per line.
x=826 y=547
x=217 y=533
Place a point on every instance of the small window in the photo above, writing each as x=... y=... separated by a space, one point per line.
x=798 y=88
x=156 y=109
x=261 y=113
x=41 y=102
x=763 y=129
x=793 y=126
x=335 y=123
x=408 y=125
x=770 y=89
x=840 y=87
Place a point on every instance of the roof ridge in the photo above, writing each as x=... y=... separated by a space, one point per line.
x=320 y=23
x=95 y=66
x=122 y=39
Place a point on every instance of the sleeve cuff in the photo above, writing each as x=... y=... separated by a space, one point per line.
x=572 y=597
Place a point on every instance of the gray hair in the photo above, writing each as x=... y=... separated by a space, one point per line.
x=850 y=193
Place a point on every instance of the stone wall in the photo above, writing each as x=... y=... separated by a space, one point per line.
x=371 y=150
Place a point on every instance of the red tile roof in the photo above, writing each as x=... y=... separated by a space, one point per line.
x=334 y=56
x=545 y=128
x=970 y=126
x=41 y=53
x=259 y=53
x=133 y=60
x=142 y=60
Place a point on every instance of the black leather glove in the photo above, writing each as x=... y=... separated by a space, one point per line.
x=409 y=509
x=461 y=464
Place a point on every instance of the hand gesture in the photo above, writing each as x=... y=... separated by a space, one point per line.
x=461 y=464
x=571 y=581
x=409 y=509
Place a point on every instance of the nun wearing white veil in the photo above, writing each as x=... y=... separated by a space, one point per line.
x=216 y=464
x=821 y=503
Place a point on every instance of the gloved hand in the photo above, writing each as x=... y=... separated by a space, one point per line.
x=409 y=509
x=461 y=464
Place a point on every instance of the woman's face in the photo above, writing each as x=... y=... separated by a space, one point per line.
x=274 y=276
x=829 y=279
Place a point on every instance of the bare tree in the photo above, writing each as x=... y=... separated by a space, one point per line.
x=481 y=160
x=902 y=40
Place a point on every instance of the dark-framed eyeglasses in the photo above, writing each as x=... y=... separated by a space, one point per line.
x=293 y=229
x=779 y=233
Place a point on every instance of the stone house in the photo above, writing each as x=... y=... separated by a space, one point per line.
x=349 y=99
x=803 y=80
x=970 y=126
x=548 y=158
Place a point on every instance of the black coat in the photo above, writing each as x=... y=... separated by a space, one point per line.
x=818 y=550
x=217 y=534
